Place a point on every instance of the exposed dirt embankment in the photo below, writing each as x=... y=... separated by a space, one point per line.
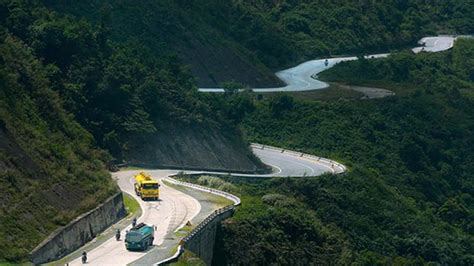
x=213 y=63
x=14 y=156
x=194 y=147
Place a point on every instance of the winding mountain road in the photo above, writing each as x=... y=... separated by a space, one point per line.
x=435 y=44
x=175 y=208
x=303 y=77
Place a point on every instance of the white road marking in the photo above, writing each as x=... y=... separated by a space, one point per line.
x=166 y=213
x=173 y=211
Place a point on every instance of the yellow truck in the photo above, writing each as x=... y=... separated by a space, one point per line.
x=146 y=187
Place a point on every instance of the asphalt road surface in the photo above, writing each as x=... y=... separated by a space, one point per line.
x=435 y=44
x=286 y=164
x=175 y=208
x=303 y=77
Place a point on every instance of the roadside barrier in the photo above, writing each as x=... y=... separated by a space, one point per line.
x=336 y=168
x=228 y=210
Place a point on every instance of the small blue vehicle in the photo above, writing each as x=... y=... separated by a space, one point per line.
x=140 y=237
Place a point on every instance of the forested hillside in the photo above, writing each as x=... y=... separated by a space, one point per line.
x=87 y=83
x=241 y=40
x=408 y=197
x=284 y=32
x=71 y=102
x=50 y=171
x=121 y=91
x=175 y=27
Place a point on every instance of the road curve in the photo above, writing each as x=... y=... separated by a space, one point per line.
x=175 y=208
x=287 y=163
x=303 y=77
x=435 y=44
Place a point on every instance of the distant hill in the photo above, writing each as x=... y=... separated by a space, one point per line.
x=175 y=27
x=246 y=41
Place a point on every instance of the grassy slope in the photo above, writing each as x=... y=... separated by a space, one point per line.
x=187 y=259
x=131 y=205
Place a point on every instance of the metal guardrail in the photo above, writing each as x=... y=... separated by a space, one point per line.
x=224 y=194
x=206 y=221
x=337 y=168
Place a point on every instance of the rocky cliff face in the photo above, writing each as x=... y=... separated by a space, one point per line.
x=194 y=147
x=212 y=63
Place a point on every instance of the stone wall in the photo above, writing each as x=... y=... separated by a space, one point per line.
x=81 y=230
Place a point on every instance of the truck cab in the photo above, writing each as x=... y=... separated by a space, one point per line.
x=146 y=187
x=140 y=237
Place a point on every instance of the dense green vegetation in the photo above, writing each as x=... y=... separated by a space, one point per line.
x=67 y=89
x=267 y=33
x=116 y=90
x=408 y=197
x=49 y=170
x=175 y=27
x=428 y=71
x=283 y=32
x=76 y=76
x=287 y=31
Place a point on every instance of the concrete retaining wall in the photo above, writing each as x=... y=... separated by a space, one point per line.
x=81 y=230
x=201 y=240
